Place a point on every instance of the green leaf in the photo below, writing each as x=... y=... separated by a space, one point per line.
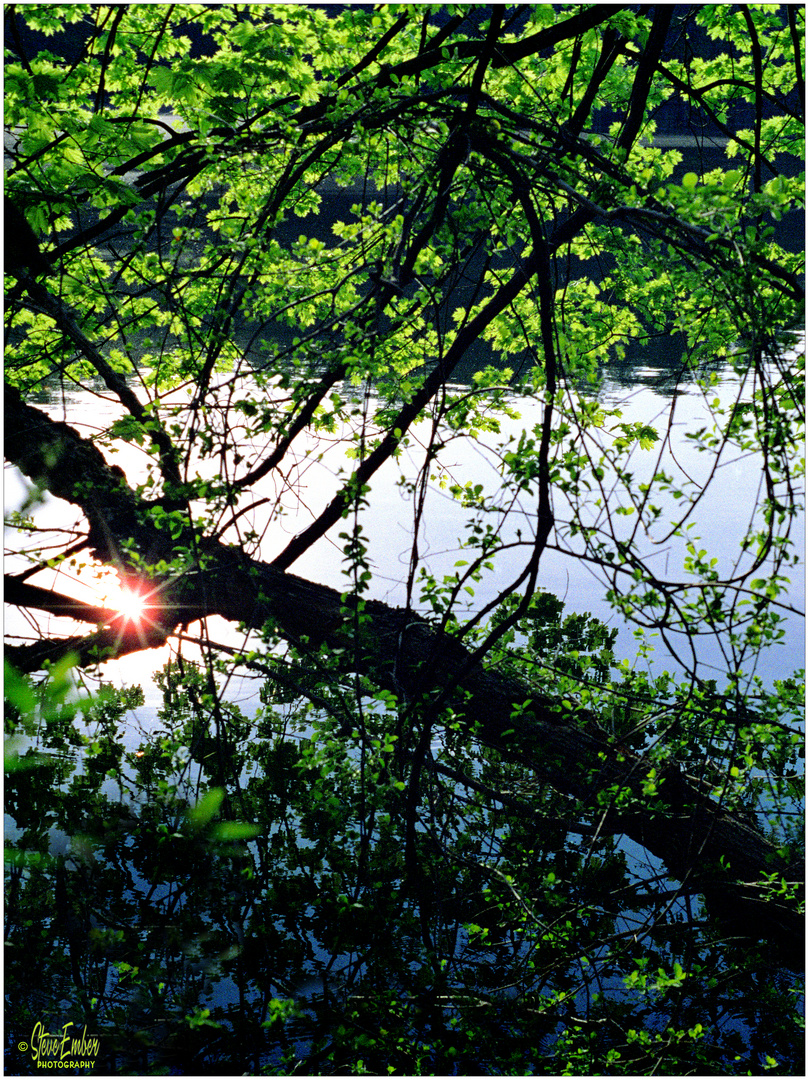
x=208 y=807
x=17 y=690
x=235 y=830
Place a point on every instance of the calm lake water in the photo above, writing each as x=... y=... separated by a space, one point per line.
x=643 y=392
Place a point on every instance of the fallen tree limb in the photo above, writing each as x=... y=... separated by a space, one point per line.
x=32 y=596
x=710 y=851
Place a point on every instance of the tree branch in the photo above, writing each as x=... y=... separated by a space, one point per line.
x=21 y=594
x=113 y=380
x=408 y=413
x=718 y=854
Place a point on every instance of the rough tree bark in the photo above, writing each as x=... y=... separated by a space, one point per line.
x=407 y=655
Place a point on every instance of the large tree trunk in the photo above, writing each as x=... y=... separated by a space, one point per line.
x=713 y=853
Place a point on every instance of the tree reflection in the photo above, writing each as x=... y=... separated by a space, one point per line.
x=245 y=895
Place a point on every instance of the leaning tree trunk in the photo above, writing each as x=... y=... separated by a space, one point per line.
x=712 y=852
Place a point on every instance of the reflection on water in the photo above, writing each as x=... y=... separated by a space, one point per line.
x=170 y=925
x=639 y=390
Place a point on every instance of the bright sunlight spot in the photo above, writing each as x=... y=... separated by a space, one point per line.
x=130 y=604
